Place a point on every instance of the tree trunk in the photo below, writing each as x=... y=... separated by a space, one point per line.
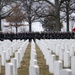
x=0 y=16
x=58 y=27
x=57 y=10
x=29 y=15
x=67 y=15
x=30 y=27
x=11 y=29
x=0 y=24
x=16 y=28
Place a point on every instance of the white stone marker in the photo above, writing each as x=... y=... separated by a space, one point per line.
x=11 y=51
x=51 y=65
x=49 y=56
x=73 y=65
x=30 y=70
x=72 y=51
x=33 y=56
x=46 y=56
x=66 y=72
x=17 y=56
x=1 y=49
x=57 y=67
x=9 y=69
x=3 y=58
x=0 y=64
x=61 y=55
x=8 y=54
x=33 y=62
x=14 y=61
x=66 y=59
x=13 y=48
x=57 y=49
x=21 y=53
x=34 y=70
x=54 y=48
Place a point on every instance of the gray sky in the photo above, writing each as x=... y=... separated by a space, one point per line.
x=36 y=27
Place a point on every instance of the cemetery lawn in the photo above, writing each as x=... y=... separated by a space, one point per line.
x=43 y=68
x=24 y=69
x=2 y=70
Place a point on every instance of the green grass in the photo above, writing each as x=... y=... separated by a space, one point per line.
x=24 y=69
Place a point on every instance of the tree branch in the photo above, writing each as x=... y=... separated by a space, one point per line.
x=50 y=3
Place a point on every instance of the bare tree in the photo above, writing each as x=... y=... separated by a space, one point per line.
x=54 y=12
x=56 y=7
x=4 y=4
x=59 y=6
x=16 y=17
x=36 y=10
x=30 y=9
x=68 y=8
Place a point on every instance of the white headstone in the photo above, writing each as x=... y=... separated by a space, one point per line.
x=9 y=69
x=17 y=56
x=1 y=49
x=14 y=61
x=36 y=70
x=21 y=53
x=72 y=65
x=8 y=54
x=66 y=59
x=3 y=58
x=61 y=55
x=33 y=62
x=57 y=67
x=30 y=70
x=71 y=51
x=54 y=47
x=0 y=64
x=33 y=56
x=57 y=49
x=11 y=51
x=49 y=56
x=51 y=65
x=65 y=72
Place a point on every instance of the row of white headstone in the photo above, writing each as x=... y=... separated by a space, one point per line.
x=53 y=48
x=33 y=68
x=66 y=45
x=9 y=51
x=18 y=48
x=4 y=46
x=0 y=64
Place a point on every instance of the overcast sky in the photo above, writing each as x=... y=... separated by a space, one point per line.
x=36 y=27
